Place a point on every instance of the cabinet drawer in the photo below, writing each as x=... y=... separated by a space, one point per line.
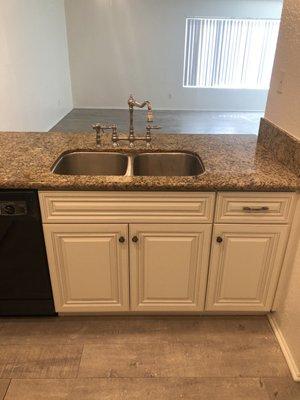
x=117 y=207
x=254 y=207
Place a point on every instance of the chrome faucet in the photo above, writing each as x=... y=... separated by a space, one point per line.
x=131 y=138
x=133 y=103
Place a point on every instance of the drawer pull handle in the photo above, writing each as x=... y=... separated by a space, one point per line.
x=135 y=239
x=121 y=239
x=219 y=239
x=255 y=209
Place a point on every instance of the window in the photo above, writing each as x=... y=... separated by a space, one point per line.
x=229 y=53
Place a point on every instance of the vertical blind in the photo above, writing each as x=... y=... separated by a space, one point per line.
x=229 y=53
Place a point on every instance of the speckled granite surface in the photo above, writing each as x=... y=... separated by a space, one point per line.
x=285 y=148
x=232 y=162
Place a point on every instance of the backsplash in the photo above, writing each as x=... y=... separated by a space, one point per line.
x=285 y=147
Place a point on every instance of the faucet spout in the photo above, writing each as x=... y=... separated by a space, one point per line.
x=133 y=103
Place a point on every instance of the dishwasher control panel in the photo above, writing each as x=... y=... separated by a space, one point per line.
x=13 y=208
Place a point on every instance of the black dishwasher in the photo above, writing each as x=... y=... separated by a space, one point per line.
x=25 y=287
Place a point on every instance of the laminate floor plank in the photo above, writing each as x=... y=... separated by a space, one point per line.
x=137 y=389
x=98 y=330
x=52 y=361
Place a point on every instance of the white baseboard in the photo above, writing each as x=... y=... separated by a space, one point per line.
x=285 y=349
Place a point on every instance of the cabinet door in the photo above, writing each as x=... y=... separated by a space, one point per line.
x=88 y=266
x=168 y=266
x=245 y=266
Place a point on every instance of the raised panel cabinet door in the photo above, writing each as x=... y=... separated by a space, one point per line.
x=245 y=265
x=168 y=266
x=88 y=266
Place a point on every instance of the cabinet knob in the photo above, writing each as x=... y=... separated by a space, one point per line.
x=135 y=239
x=121 y=239
x=219 y=239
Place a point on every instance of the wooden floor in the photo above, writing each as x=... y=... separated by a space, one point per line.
x=130 y=358
x=80 y=120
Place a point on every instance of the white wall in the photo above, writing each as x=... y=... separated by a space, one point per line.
x=119 y=47
x=283 y=108
x=287 y=315
x=35 y=88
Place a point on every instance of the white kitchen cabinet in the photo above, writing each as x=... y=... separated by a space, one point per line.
x=90 y=272
x=245 y=265
x=168 y=266
x=173 y=265
x=88 y=266
x=90 y=269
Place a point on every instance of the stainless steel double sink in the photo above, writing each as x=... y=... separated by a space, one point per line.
x=179 y=163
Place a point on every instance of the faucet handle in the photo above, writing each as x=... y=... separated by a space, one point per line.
x=101 y=128
x=148 y=133
x=114 y=136
x=150 y=127
x=150 y=115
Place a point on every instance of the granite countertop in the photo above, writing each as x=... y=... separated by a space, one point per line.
x=232 y=162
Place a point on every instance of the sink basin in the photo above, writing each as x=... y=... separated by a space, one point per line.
x=91 y=163
x=167 y=164
x=134 y=164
